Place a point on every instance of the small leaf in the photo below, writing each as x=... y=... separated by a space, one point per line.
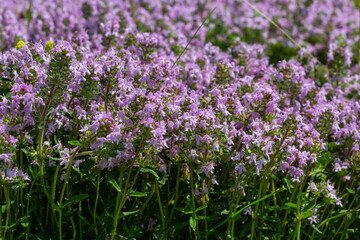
x=311 y=205
x=74 y=142
x=350 y=190
x=190 y=212
x=115 y=184
x=225 y=212
x=51 y=110
x=124 y=214
x=316 y=229
x=136 y=194
x=148 y=170
x=74 y=199
x=41 y=125
x=181 y=210
x=25 y=224
x=192 y=223
x=5 y=91
x=201 y=208
x=306 y=214
x=208 y=218
x=291 y=205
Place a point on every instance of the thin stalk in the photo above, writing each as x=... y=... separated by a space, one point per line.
x=64 y=187
x=80 y=223
x=78 y=124
x=343 y=221
x=97 y=197
x=160 y=207
x=43 y=115
x=193 y=200
x=176 y=194
x=287 y=211
x=267 y=171
x=53 y=188
x=192 y=38
x=71 y=218
x=122 y=202
x=299 y=202
x=8 y=210
x=204 y=202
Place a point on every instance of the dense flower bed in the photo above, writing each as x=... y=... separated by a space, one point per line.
x=103 y=133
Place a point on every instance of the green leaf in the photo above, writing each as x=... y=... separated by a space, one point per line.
x=25 y=224
x=180 y=225
x=192 y=223
x=55 y=159
x=324 y=158
x=350 y=190
x=306 y=214
x=124 y=214
x=5 y=91
x=51 y=110
x=74 y=199
x=148 y=170
x=136 y=194
x=311 y=205
x=225 y=212
x=316 y=229
x=28 y=17
x=115 y=184
x=41 y=124
x=74 y=142
x=240 y=211
x=190 y=212
x=291 y=205
x=208 y=218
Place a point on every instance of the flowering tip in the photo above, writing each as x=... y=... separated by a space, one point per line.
x=20 y=44
x=49 y=45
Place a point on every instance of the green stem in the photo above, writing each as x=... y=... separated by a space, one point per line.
x=343 y=221
x=53 y=188
x=265 y=176
x=193 y=200
x=160 y=207
x=97 y=197
x=8 y=210
x=64 y=187
x=176 y=194
x=122 y=201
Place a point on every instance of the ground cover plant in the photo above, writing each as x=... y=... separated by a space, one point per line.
x=114 y=125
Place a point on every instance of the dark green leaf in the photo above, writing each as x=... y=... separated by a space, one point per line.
x=311 y=205
x=208 y=218
x=350 y=190
x=115 y=184
x=49 y=112
x=5 y=91
x=240 y=211
x=74 y=199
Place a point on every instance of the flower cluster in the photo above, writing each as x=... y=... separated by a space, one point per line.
x=105 y=95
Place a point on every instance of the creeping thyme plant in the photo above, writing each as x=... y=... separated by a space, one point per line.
x=110 y=130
